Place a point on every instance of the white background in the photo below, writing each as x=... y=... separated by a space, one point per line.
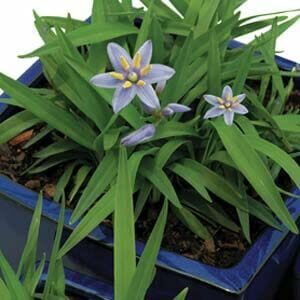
x=18 y=35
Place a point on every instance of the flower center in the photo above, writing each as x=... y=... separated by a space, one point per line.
x=133 y=77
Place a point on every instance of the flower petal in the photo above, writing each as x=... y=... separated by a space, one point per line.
x=240 y=109
x=146 y=53
x=211 y=99
x=122 y=98
x=227 y=93
x=213 y=113
x=172 y=108
x=241 y=97
x=143 y=134
x=105 y=80
x=160 y=86
x=148 y=96
x=228 y=117
x=115 y=52
x=159 y=73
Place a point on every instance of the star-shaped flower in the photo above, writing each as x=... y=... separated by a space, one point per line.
x=227 y=105
x=133 y=76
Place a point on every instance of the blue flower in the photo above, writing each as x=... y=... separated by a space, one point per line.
x=141 y=135
x=133 y=76
x=227 y=105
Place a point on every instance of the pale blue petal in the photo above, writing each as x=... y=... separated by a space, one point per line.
x=213 y=113
x=240 y=109
x=227 y=92
x=105 y=80
x=241 y=97
x=115 y=52
x=211 y=99
x=146 y=53
x=159 y=73
x=122 y=98
x=228 y=117
x=172 y=108
x=148 y=96
x=160 y=86
x=141 y=135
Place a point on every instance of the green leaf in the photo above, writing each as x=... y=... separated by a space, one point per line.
x=192 y=222
x=159 y=179
x=44 y=132
x=192 y=177
x=12 y=282
x=28 y=257
x=101 y=210
x=91 y=34
x=144 y=272
x=63 y=22
x=80 y=178
x=124 y=236
x=47 y=111
x=237 y=147
x=144 y=31
x=100 y=180
x=277 y=155
x=16 y=124
x=4 y=292
x=182 y=295
x=214 y=63
x=57 y=148
x=54 y=261
x=167 y=150
x=172 y=129
x=64 y=180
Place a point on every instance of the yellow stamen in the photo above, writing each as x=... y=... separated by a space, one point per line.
x=228 y=97
x=222 y=107
x=137 y=60
x=127 y=84
x=124 y=63
x=236 y=98
x=146 y=70
x=141 y=83
x=117 y=75
x=220 y=100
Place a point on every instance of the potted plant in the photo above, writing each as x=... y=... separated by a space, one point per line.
x=222 y=173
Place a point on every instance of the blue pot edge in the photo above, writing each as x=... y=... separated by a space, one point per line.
x=86 y=284
x=166 y=259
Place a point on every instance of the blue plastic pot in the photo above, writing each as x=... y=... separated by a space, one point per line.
x=296 y=281
x=83 y=286
x=257 y=276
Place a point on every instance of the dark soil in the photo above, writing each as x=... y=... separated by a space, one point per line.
x=15 y=160
x=225 y=249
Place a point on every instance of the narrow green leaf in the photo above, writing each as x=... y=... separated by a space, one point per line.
x=12 y=282
x=101 y=210
x=102 y=177
x=47 y=111
x=192 y=222
x=93 y=33
x=182 y=295
x=277 y=155
x=237 y=146
x=159 y=178
x=124 y=236
x=144 y=272
x=16 y=124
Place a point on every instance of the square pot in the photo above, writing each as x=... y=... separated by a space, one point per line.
x=257 y=276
